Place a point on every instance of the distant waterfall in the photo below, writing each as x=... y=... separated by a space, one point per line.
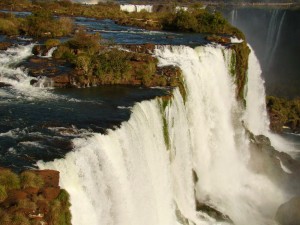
x=273 y=35
x=136 y=8
x=233 y=16
x=90 y=2
x=131 y=176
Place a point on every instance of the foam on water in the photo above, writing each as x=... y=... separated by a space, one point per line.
x=143 y=172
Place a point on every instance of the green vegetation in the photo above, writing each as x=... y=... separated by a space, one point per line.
x=31 y=198
x=50 y=43
x=59 y=210
x=40 y=24
x=9 y=180
x=3 y=194
x=200 y=21
x=241 y=52
x=284 y=112
x=30 y=179
x=96 y=63
x=164 y=102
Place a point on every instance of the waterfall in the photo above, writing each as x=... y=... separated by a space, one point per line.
x=89 y=2
x=233 y=16
x=136 y=8
x=273 y=35
x=49 y=53
x=256 y=116
x=133 y=176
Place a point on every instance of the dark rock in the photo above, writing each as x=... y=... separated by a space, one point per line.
x=195 y=177
x=33 y=82
x=39 y=50
x=2 y=84
x=212 y=212
x=289 y=212
x=5 y=45
x=170 y=36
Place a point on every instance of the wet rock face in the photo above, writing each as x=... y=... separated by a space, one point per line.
x=280 y=167
x=289 y=212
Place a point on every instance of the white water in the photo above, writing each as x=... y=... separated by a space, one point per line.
x=136 y=8
x=183 y=8
x=89 y=2
x=273 y=35
x=129 y=176
x=49 y=53
x=233 y=17
x=17 y=76
x=256 y=117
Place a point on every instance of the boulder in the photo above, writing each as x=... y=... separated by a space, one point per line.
x=289 y=212
x=50 y=193
x=39 y=50
x=2 y=84
x=213 y=212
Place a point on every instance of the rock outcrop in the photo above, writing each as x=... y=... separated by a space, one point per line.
x=289 y=212
x=33 y=197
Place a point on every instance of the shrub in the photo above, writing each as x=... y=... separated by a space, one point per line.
x=27 y=204
x=83 y=62
x=114 y=62
x=3 y=194
x=66 y=26
x=42 y=24
x=19 y=219
x=59 y=210
x=8 y=27
x=30 y=179
x=5 y=218
x=64 y=52
x=86 y=42
x=50 y=43
x=9 y=180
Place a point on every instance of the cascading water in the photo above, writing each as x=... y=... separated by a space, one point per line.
x=89 y=2
x=17 y=77
x=136 y=8
x=273 y=35
x=133 y=175
x=233 y=16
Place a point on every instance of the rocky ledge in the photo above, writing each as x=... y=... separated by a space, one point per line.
x=33 y=197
